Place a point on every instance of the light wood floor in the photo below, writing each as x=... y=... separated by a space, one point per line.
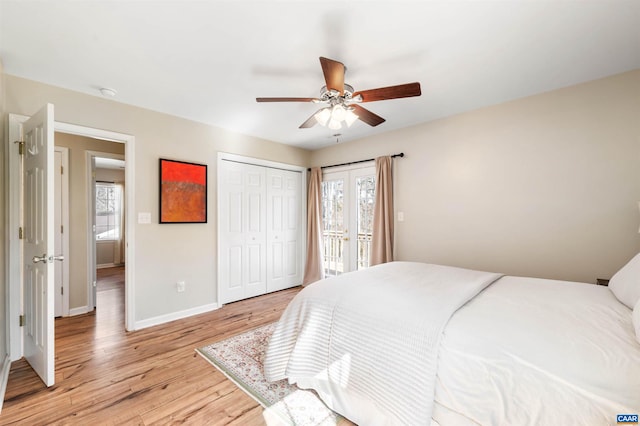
x=105 y=375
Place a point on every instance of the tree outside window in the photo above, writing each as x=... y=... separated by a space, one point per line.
x=107 y=212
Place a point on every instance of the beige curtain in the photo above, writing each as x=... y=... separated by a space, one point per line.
x=382 y=235
x=314 y=269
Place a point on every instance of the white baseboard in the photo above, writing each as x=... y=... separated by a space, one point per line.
x=106 y=265
x=174 y=316
x=4 y=378
x=78 y=311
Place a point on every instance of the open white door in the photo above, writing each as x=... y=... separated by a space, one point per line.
x=38 y=223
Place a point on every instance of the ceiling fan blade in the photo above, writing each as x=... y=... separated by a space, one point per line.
x=287 y=100
x=391 y=92
x=367 y=116
x=311 y=121
x=333 y=74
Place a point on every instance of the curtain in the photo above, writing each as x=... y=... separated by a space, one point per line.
x=314 y=270
x=382 y=234
x=119 y=246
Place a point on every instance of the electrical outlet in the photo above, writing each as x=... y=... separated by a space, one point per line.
x=181 y=286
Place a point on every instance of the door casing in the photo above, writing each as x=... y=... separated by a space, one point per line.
x=13 y=191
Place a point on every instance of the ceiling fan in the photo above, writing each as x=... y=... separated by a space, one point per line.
x=342 y=101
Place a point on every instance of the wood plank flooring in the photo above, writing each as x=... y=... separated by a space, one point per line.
x=105 y=375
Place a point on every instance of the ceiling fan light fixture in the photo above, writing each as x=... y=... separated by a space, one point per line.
x=323 y=116
x=338 y=112
x=342 y=100
x=350 y=117
x=334 y=124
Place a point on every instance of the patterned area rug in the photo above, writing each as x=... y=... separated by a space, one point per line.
x=241 y=358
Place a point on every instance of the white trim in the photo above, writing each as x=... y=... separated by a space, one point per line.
x=65 y=225
x=106 y=265
x=4 y=378
x=13 y=253
x=150 y=322
x=79 y=311
x=92 y=280
x=129 y=173
x=13 y=257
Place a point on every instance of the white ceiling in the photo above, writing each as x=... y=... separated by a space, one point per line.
x=209 y=60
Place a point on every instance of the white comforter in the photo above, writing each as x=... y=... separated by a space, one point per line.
x=528 y=351
x=368 y=342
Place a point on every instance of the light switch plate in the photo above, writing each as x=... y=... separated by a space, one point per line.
x=400 y=216
x=144 y=217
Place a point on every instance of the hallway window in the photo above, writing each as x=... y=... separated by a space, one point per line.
x=108 y=210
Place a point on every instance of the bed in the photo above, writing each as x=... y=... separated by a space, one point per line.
x=414 y=343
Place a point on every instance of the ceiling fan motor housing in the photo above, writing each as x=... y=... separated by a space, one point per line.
x=327 y=95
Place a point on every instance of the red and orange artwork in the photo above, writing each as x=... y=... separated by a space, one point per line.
x=183 y=192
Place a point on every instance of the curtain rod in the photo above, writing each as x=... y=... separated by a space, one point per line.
x=356 y=162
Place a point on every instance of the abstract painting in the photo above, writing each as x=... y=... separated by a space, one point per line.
x=183 y=192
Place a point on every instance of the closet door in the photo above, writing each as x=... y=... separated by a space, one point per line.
x=284 y=260
x=254 y=216
x=242 y=257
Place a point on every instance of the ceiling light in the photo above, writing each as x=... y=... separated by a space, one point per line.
x=338 y=113
x=107 y=92
x=334 y=116
x=350 y=117
x=323 y=116
x=334 y=124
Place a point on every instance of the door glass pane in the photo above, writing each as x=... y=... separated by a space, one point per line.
x=365 y=198
x=333 y=226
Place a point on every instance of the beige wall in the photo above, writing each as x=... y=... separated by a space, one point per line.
x=164 y=253
x=544 y=186
x=78 y=207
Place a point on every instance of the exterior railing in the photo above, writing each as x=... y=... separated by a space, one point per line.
x=333 y=242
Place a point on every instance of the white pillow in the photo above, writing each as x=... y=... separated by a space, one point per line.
x=625 y=284
x=636 y=320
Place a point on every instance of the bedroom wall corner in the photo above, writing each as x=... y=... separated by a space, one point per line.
x=543 y=186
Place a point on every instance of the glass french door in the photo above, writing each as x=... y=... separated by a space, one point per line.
x=347 y=219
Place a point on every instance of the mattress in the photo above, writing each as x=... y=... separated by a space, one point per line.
x=531 y=351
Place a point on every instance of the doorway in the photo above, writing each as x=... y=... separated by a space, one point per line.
x=108 y=206
x=348 y=197
x=14 y=220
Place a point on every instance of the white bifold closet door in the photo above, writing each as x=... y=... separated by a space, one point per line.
x=259 y=230
x=283 y=229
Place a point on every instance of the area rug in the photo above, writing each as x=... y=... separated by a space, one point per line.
x=241 y=358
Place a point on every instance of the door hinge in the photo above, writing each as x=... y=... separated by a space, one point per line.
x=62 y=291
x=22 y=321
x=61 y=170
x=61 y=229
x=20 y=233
x=20 y=147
